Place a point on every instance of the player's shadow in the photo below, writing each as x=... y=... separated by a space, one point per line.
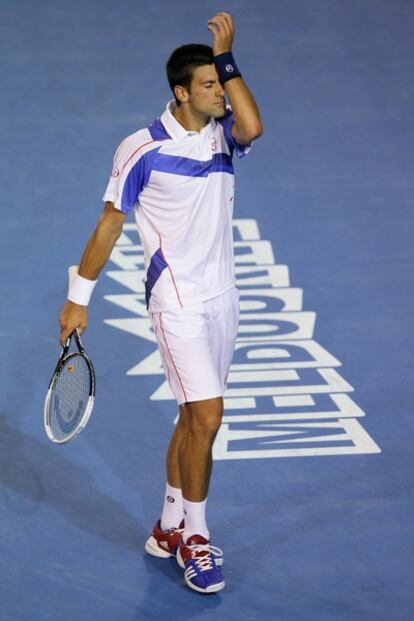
x=35 y=471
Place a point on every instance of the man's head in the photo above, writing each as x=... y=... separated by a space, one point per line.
x=193 y=79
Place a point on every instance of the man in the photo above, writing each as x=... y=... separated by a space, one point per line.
x=178 y=176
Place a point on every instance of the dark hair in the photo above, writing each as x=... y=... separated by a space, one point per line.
x=184 y=60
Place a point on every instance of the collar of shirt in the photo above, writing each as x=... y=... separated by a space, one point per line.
x=177 y=131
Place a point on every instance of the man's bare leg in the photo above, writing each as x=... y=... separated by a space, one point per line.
x=195 y=448
x=173 y=469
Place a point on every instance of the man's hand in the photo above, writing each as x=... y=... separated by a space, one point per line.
x=221 y=26
x=71 y=317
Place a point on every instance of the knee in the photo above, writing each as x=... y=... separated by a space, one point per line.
x=206 y=416
x=184 y=417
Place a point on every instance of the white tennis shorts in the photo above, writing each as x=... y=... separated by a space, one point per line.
x=197 y=346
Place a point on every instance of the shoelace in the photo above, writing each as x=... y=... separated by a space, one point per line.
x=201 y=555
x=177 y=530
x=174 y=531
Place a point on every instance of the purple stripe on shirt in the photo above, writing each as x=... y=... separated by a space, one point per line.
x=137 y=179
x=175 y=165
x=158 y=131
x=156 y=267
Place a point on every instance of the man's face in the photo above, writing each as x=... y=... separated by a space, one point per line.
x=206 y=95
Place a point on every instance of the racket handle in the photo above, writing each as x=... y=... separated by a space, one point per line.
x=76 y=334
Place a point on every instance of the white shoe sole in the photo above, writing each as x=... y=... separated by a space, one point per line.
x=152 y=547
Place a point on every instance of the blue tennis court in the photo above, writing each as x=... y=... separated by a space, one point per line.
x=312 y=488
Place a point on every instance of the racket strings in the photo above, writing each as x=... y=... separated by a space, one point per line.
x=69 y=398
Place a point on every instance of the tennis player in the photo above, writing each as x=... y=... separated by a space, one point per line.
x=177 y=175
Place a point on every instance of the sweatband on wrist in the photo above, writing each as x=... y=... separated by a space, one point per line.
x=226 y=67
x=80 y=290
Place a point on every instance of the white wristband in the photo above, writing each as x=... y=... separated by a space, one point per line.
x=80 y=288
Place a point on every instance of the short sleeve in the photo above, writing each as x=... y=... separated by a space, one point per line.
x=131 y=170
x=227 y=122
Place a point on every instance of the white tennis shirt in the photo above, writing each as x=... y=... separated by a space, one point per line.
x=181 y=185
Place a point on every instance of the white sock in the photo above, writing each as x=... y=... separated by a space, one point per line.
x=195 y=519
x=172 y=512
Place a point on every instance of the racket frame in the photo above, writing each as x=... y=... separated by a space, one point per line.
x=63 y=359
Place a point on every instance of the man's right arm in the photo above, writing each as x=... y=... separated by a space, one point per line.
x=95 y=256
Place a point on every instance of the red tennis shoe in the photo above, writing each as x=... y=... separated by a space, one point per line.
x=164 y=543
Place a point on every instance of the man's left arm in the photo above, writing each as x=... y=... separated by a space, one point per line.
x=247 y=126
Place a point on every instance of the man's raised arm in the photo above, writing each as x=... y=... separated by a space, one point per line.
x=248 y=125
x=74 y=313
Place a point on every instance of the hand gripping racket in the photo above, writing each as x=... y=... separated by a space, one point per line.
x=71 y=393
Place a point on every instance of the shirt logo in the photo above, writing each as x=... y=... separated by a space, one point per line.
x=170 y=499
x=213 y=144
x=115 y=172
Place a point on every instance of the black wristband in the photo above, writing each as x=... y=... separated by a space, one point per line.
x=226 y=67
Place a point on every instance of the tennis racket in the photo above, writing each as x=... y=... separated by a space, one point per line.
x=71 y=393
